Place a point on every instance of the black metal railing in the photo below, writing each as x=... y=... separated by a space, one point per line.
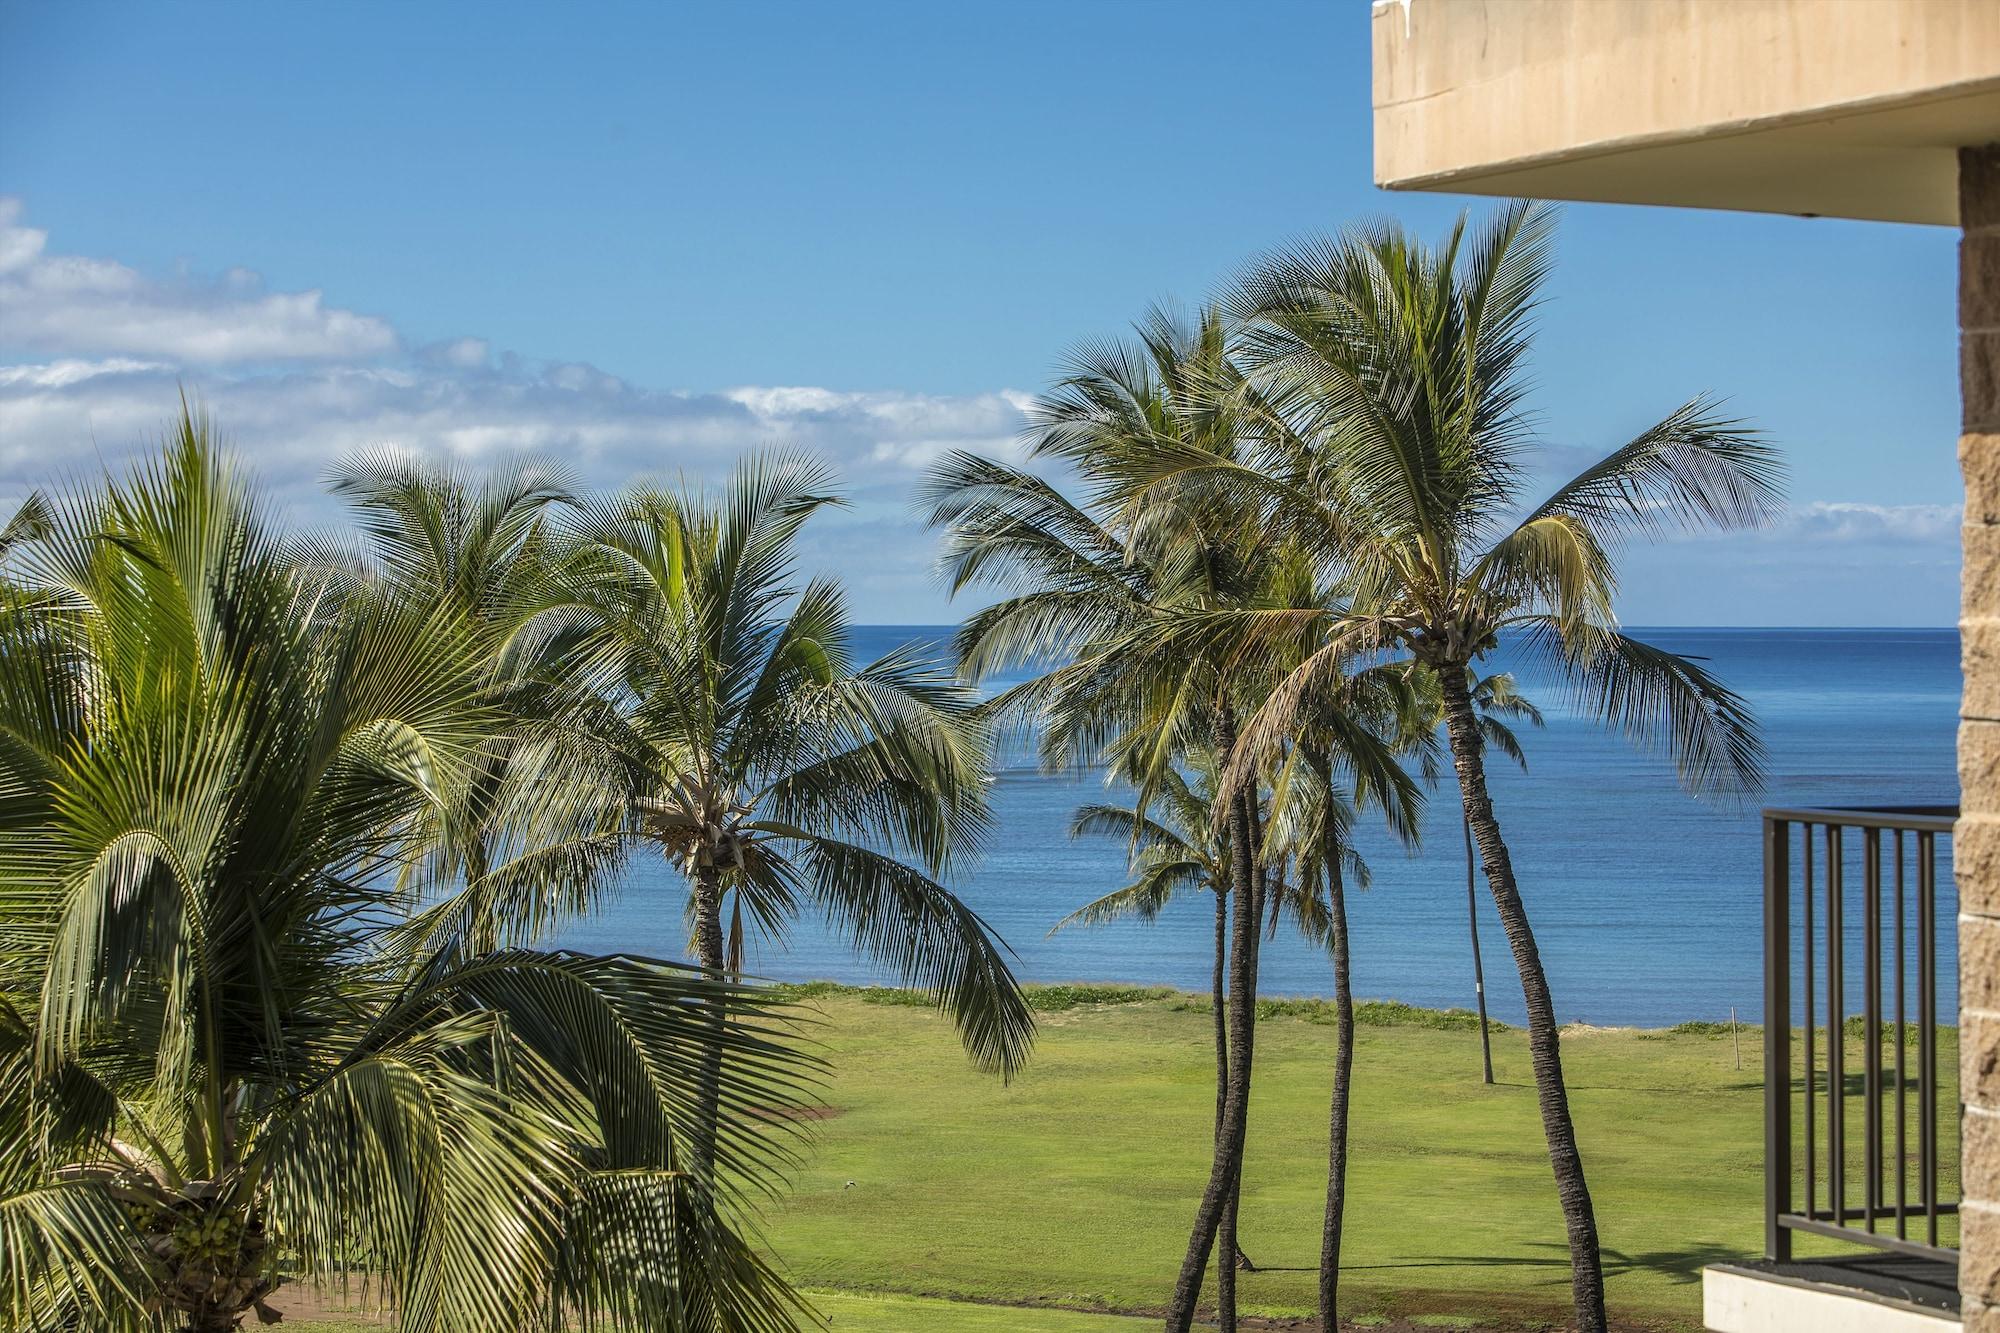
x=1818 y=1178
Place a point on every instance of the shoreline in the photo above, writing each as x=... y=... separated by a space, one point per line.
x=1069 y=996
x=1066 y=997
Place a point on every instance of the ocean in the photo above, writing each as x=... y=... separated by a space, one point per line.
x=1647 y=903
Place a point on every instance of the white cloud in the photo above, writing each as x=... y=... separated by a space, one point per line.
x=1825 y=523
x=1823 y=562
x=72 y=305
x=292 y=424
x=1852 y=521
x=460 y=353
x=62 y=374
x=908 y=430
x=296 y=383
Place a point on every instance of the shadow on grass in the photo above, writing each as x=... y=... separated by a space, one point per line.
x=1682 y=1265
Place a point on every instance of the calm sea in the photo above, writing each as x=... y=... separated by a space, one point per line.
x=1646 y=902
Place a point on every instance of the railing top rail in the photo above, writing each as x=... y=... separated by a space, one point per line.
x=1914 y=818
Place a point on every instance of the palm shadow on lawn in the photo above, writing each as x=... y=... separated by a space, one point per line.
x=1682 y=1265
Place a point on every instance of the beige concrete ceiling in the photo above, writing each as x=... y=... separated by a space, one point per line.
x=1812 y=107
x=1897 y=164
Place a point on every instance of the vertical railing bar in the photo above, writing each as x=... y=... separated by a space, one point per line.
x=1836 y=1035
x=1812 y=1008
x=1927 y=1031
x=1902 y=1106
x=1871 y=1018
x=1777 y=1039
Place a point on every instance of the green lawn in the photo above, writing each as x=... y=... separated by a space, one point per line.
x=911 y=1314
x=1074 y=1186
x=889 y=1314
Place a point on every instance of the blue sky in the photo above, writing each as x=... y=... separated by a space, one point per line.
x=650 y=237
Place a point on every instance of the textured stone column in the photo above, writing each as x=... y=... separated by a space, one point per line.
x=1977 y=843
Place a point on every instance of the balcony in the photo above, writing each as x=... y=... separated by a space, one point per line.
x=1861 y=1110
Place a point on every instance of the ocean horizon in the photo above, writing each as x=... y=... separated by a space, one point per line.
x=1646 y=902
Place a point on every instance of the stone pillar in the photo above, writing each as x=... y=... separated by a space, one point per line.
x=1977 y=842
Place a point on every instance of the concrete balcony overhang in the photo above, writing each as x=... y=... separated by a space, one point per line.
x=1776 y=106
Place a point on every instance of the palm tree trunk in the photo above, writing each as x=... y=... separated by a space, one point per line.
x=1231 y=1258
x=1225 y=1263
x=1219 y=1003
x=1343 y=1066
x=1225 y=1280
x=1227 y=1157
x=1219 y=1008
x=1478 y=969
x=1262 y=899
x=708 y=948
x=1586 y=1264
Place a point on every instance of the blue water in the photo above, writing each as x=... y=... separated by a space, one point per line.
x=1647 y=903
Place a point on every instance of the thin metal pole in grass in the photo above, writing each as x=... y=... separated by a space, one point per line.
x=1735 y=1037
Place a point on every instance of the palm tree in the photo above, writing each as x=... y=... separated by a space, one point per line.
x=1397 y=374
x=1082 y=585
x=543 y=823
x=1177 y=846
x=219 y=1066
x=1175 y=849
x=1081 y=598
x=1350 y=755
x=1493 y=697
x=773 y=771
x=1349 y=749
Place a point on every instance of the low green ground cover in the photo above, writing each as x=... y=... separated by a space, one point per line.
x=1073 y=1186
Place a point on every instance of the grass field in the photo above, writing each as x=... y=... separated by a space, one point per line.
x=886 y=1314
x=1074 y=1186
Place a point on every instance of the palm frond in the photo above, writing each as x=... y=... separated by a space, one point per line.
x=1658 y=699
x=909 y=922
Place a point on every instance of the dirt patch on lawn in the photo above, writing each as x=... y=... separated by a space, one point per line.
x=302 y=1303
x=1594 y=1030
